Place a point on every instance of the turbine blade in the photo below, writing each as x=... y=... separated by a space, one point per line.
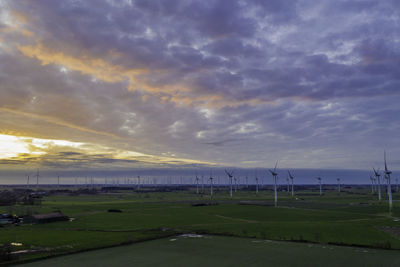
x=384 y=156
x=276 y=164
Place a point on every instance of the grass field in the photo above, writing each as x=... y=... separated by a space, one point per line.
x=226 y=251
x=352 y=218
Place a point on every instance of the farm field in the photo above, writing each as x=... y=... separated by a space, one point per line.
x=352 y=218
x=225 y=251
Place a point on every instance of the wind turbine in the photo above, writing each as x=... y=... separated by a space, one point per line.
x=291 y=178
x=230 y=175
x=27 y=182
x=256 y=185
x=234 y=178
x=197 y=184
x=287 y=180
x=372 y=184
x=338 y=182
x=377 y=175
x=389 y=186
x=211 y=185
x=320 y=185
x=274 y=175
x=58 y=180
x=138 y=185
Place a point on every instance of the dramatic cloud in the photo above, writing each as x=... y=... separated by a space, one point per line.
x=243 y=83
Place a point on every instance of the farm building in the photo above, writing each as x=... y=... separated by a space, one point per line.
x=46 y=218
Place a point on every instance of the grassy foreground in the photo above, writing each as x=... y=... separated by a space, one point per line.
x=352 y=218
x=225 y=251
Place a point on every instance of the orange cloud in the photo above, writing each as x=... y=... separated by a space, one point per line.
x=97 y=67
x=57 y=121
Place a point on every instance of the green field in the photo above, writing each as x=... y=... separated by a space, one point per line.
x=353 y=218
x=225 y=251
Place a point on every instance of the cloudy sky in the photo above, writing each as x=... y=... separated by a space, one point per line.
x=179 y=83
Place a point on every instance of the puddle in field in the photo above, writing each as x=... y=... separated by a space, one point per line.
x=191 y=236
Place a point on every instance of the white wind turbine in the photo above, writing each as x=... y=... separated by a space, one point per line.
x=211 y=185
x=235 y=179
x=372 y=184
x=389 y=186
x=291 y=178
x=230 y=175
x=338 y=183
x=256 y=185
x=320 y=185
x=275 y=177
x=287 y=189
x=377 y=175
x=197 y=184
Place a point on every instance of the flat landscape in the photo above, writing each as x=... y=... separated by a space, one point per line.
x=333 y=225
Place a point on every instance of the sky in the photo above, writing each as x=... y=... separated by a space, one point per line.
x=138 y=84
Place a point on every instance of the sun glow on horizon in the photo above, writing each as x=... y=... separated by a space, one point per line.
x=22 y=149
x=11 y=146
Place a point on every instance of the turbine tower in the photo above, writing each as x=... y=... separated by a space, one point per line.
x=234 y=178
x=372 y=184
x=256 y=185
x=320 y=185
x=27 y=182
x=389 y=187
x=287 y=190
x=275 y=177
x=338 y=183
x=211 y=185
x=291 y=178
x=230 y=175
x=197 y=184
x=377 y=175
